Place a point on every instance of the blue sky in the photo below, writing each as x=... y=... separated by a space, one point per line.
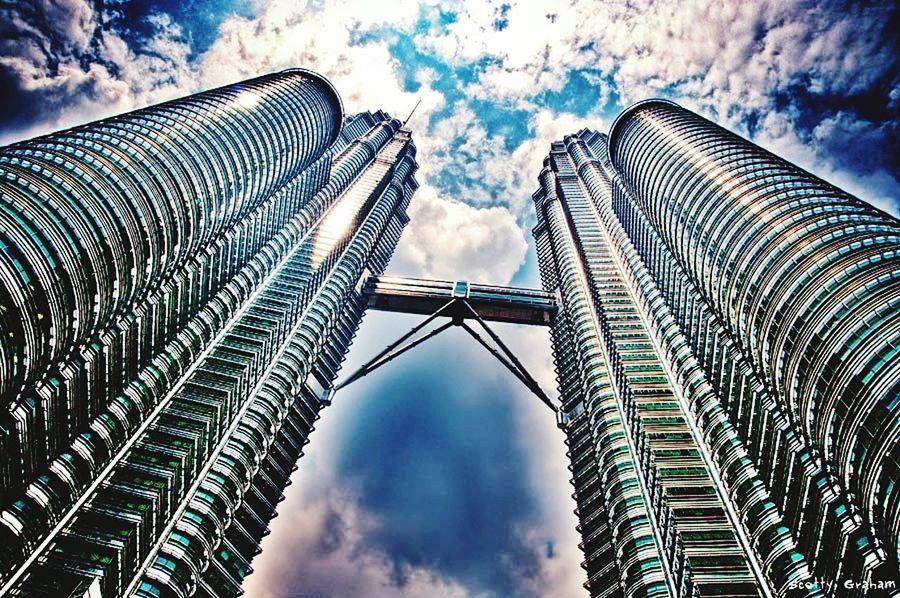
x=450 y=480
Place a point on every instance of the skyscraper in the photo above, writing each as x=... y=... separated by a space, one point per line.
x=178 y=287
x=728 y=357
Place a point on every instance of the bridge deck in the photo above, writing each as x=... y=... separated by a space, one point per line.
x=494 y=304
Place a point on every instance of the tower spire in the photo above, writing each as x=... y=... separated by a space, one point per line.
x=411 y=112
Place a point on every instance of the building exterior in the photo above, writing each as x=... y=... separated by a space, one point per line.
x=178 y=287
x=728 y=358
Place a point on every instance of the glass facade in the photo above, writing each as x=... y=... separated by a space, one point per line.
x=180 y=285
x=728 y=363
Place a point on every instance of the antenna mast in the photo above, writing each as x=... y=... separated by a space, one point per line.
x=411 y=112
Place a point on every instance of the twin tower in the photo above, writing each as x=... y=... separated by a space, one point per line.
x=179 y=286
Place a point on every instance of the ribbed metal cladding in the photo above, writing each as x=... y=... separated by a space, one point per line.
x=667 y=415
x=804 y=278
x=621 y=538
x=170 y=493
x=93 y=219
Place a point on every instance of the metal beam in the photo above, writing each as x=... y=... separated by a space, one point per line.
x=528 y=379
x=520 y=373
x=495 y=304
x=367 y=367
x=458 y=309
x=386 y=357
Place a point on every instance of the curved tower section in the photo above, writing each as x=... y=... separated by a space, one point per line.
x=204 y=259
x=114 y=233
x=96 y=217
x=789 y=291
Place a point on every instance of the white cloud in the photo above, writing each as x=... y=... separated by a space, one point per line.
x=74 y=21
x=448 y=239
x=533 y=51
x=721 y=59
x=724 y=60
x=483 y=170
x=317 y=546
x=290 y=34
x=725 y=55
x=57 y=65
x=122 y=76
x=324 y=520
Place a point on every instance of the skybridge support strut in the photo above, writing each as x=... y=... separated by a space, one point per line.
x=458 y=309
x=512 y=365
x=389 y=355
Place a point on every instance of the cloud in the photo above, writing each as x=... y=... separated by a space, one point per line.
x=322 y=38
x=62 y=63
x=414 y=485
x=530 y=45
x=733 y=62
x=451 y=240
x=725 y=50
x=317 y=551
x=546 y=470
x=444 y=467
x=876 y=185
x=448 y=485
x=462 y=160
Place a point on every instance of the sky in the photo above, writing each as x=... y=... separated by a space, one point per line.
x=439 y=475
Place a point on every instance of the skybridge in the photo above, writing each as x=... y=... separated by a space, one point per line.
x=491 y=303
x=466 y=305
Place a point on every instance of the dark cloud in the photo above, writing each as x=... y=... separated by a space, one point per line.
x=199 y=19
x=65 y=62
x=823 y=76
x=845 y=105
x=39 y=42
x=852 y=140
x=420 y=481
x=440 y=471
x=331 y=534
x=17 y=102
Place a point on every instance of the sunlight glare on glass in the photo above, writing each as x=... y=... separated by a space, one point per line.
x=246 y=100
x=335 y=225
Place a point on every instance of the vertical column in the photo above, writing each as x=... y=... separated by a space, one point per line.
x=803 y=281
